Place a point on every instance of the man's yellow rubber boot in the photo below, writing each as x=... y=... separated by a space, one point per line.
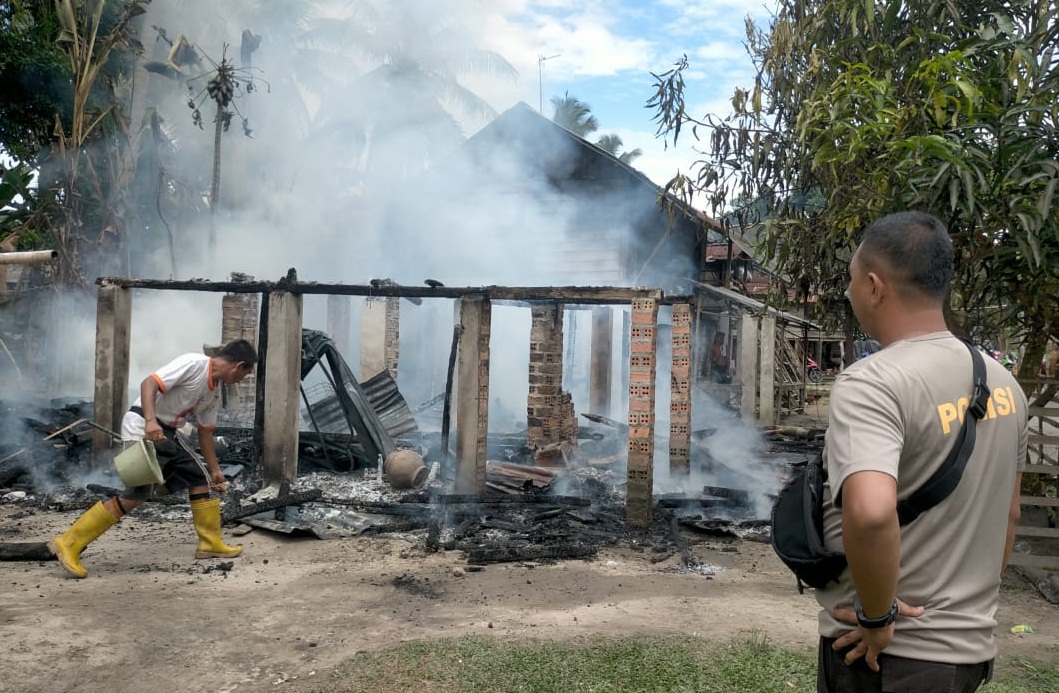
x=207 y=516
x=67 y=547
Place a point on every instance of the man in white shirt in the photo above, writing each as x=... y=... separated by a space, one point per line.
x=185 y=390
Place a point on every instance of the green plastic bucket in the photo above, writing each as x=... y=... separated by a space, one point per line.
x=137 y=465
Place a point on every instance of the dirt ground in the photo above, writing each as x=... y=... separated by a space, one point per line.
x=150 y=617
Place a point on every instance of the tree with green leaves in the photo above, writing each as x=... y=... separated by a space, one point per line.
x=32 y=77
x=63 y=65
x=860 y=109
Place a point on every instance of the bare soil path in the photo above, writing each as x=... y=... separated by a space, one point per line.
x=151 y=618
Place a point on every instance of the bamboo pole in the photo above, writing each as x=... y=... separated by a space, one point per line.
x=28 y=257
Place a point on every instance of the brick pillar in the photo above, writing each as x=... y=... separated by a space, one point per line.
x=239 y=319
x=550 y=420
x=642 y=357
x=392 y=338
x=373 y=323
x=680 y=394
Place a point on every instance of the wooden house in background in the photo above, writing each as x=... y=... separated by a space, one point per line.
x=526 y=202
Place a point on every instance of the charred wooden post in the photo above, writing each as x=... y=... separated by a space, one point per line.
x=642 y=369
x=680 y=391
x=450 y=376
x=767 y=379
x=747 y=367
x=602 y=359
x=338 y=310
x=113 y=339
x=261 y=375
x=281 y=405
x=472 y=395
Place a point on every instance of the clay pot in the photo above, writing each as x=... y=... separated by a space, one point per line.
x=405 y=469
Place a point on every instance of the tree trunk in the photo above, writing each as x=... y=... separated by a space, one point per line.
x=215 y=180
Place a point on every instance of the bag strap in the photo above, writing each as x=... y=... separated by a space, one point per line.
x=945 y=479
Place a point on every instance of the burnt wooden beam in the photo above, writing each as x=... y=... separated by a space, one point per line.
x=694 y=502
x=509 y=554
x=464 y=499
x=28 y=551
x=296 y=498
x=589 y=295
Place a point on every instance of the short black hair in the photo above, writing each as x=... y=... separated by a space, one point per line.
x=238 y=351
x=917 y=248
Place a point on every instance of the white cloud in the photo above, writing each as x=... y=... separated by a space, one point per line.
x=586 y=36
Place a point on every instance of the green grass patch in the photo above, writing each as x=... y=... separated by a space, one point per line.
x=611 y=665
x=1021 y=675
x=671 y=664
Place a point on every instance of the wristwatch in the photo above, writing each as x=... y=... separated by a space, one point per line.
x=877 y=622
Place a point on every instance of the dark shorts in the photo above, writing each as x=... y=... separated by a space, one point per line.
x=896 y=674
x=180 y=468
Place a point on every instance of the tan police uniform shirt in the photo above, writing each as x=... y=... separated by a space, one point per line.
x=899 y=411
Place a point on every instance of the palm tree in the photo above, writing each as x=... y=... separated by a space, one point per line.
x=574 y=115
x=612 y=145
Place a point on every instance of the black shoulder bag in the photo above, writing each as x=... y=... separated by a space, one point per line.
x=798 y=514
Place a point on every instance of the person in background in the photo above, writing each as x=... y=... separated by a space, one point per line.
x=916 y=608
x=185 y=390
x=720 y=371
x=1051 y=361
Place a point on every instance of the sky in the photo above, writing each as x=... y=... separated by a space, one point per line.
x=605 y=52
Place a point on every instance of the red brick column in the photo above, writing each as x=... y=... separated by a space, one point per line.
x=680 y=393
x=550 y=420
x=392 y=338
x=642 y=368
x=239 y=320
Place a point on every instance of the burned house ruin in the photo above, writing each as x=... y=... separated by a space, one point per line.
x=607 y=377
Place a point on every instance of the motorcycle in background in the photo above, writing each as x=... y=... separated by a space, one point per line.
x=812 y=370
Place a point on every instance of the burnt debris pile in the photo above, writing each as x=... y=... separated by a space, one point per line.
x=46 y=447
x=528 y=512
